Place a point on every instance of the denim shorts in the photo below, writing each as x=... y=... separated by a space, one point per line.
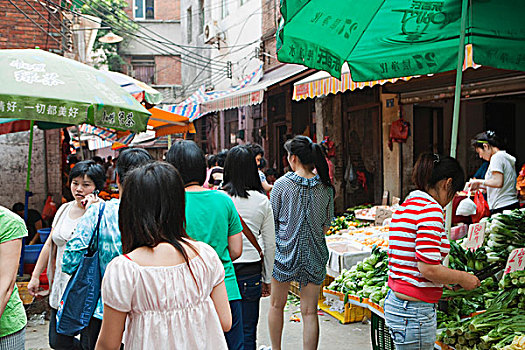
x=412 y=324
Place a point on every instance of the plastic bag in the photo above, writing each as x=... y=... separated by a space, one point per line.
x=50 y=209
x=466 y=207
x=482 y=207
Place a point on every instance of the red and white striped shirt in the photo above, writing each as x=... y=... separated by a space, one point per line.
x=417 y=233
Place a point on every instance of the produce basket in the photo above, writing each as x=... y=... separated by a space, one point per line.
x=381 y=339
x=344 y=313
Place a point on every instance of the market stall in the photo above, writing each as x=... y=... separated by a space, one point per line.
x=489 y=317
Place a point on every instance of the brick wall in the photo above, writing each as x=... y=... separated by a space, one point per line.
x=18 y=32
x=167 y=9
x=270 y=14
x=164 y=9
x=168 y=70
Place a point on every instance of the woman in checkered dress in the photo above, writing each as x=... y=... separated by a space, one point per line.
x=302 y=203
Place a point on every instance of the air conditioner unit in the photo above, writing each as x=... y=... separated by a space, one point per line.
x=211 y=32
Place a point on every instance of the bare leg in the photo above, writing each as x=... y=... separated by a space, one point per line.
x=309 y=297
x=275 y=315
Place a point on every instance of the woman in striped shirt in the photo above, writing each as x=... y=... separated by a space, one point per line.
x=418 y=245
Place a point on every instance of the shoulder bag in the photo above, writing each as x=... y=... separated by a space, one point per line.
x=82 y=291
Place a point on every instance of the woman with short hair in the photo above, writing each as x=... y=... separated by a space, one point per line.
x=85 y=178
x=211 y=218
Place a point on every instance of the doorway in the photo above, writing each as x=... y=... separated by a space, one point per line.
x=363 y=155
x=428 y=130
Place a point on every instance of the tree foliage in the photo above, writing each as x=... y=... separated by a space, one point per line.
x=113 y=15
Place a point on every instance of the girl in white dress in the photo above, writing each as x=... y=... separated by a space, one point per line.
x=167 y=291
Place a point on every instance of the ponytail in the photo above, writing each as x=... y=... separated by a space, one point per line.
x=321 y=165
x=432 y=168
x=310 y=153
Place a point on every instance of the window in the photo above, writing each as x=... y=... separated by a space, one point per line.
x=145 y=9
x=144 y=69
x=224 y=9
x=201 y=16
x=189 y=24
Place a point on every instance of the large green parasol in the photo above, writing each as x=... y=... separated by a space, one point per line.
x=44 y=87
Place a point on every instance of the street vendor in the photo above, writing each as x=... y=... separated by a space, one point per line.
x=500 y=179
x=418 y=245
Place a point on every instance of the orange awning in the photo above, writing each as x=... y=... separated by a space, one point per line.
x=167 y=123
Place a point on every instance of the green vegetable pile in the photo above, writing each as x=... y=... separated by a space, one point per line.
x=367 y=279
x=463 y=302
x=467 y=260
x=495 y=328
x=506 y=232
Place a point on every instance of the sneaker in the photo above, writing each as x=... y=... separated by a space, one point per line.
x=264 y=347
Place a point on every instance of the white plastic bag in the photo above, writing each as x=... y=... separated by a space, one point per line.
x=466 y=207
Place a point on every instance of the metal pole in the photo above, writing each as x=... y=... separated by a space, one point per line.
x=46 y=179
x=169 y=141
x=80 y=144
x=457 y=101
x=27 y=194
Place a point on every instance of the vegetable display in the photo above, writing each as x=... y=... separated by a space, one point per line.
x=506 y=232
x=496 y=328
x=367 y=279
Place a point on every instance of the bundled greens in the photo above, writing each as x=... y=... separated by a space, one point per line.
x=498 y=326
x=506 y=232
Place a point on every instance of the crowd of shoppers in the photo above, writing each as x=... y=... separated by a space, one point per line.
x=192 y=245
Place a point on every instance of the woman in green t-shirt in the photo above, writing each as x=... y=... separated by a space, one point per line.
x=211 y=218
x=12 y=313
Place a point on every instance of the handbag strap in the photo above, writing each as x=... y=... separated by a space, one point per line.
x=251 y=237
x=94 y=237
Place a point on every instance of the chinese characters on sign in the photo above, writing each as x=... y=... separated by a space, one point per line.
x=516 y=261
x=40 y=108
x=122 y=118
x=34 y=74
x=341 y=26
x=420 y=16
x=475 y=237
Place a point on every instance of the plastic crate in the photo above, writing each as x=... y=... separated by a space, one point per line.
x=381 y=339
x=295 y=290
x=351 y=312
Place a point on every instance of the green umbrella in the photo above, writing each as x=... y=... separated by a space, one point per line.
x=383 y=39
x=394 y=38
x=38 y=85
x=44 y=87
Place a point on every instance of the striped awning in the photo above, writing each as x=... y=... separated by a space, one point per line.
x=321 y=83
x=252 y=94
x=191 y=107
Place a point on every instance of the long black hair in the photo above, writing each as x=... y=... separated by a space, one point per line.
x=90 y=169
x=431 y=168
x=487 y=137
x=240 y=173
x=310 y=153
x=189 y=159
x=152 y=209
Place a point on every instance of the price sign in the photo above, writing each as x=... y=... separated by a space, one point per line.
x=475 y=237
x=516 y=261
x=381 y=215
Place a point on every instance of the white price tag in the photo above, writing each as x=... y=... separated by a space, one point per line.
x=516 y=261
x=381 y=215
x=475 y=237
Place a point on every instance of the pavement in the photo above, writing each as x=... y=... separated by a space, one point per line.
x=333 y=335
